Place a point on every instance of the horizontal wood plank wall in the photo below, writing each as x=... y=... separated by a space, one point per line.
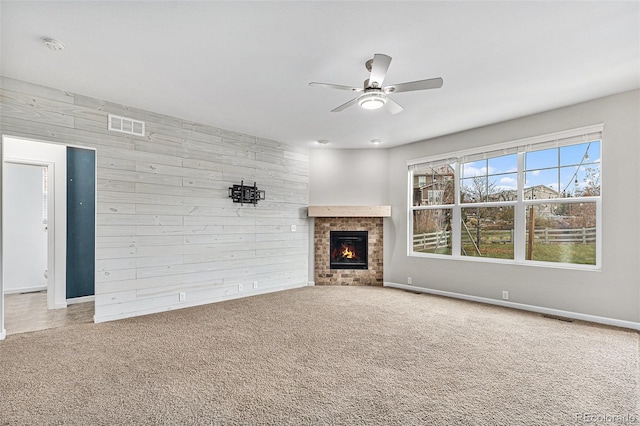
x=165 y=224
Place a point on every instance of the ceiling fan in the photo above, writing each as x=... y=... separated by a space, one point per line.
x=374 y=94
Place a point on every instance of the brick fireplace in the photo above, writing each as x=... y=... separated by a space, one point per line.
x=354 y=219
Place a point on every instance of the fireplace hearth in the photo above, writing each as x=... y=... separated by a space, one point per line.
x=348 y=250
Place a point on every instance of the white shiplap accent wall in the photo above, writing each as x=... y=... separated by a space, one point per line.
x=165 y=223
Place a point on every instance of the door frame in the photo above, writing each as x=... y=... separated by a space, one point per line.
x=23 y=150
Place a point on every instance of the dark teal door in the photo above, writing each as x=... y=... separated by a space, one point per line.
x=81 y=222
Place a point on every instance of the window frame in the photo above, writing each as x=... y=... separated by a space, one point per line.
x=520 y=204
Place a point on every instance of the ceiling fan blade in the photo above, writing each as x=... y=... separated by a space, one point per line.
x=432 y=83
x=345 y=106
x=379 y=69
x=337 y=86
x=392 y=106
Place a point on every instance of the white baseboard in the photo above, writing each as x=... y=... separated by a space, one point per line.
x=312 y=283
x=3 y=334
x=215 y=299
x=82 y=299
x=25 y=290
x=539 y=309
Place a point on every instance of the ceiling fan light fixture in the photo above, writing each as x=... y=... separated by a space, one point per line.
x=372 y=100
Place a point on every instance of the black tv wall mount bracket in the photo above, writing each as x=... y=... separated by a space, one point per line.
x=246 y=194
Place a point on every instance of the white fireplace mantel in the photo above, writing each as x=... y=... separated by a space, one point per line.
x=349 y=211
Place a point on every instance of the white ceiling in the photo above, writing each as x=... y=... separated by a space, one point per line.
x=245 y=66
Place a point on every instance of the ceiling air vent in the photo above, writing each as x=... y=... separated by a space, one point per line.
x=126 y=125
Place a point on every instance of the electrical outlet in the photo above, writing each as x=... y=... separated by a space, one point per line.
x=255 y=285
x=240 y=287
x=182 y=296
x=409 y=280
x=293 y=228
x=505 y=294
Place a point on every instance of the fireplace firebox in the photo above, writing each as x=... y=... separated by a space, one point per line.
x=348 y=250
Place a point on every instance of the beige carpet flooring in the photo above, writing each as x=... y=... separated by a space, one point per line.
x=323 y=356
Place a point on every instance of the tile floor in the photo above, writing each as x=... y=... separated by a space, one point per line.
x=26 y=312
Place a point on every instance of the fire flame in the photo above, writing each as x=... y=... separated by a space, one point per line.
x=346 y=252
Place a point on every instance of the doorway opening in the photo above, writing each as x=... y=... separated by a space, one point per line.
x=67 y=214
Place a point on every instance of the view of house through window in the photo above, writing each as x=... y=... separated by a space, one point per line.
x=533 y=202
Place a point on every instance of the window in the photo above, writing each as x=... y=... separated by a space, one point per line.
x=534 y=201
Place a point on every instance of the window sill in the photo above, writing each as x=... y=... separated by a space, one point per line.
x=529 y=263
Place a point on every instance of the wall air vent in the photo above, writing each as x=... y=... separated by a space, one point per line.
x=126 y=125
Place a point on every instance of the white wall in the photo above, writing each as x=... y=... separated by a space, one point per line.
x=3 y=331
x=25 y=234
x=349 y=177
x=165 y=224
x=613 y=292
